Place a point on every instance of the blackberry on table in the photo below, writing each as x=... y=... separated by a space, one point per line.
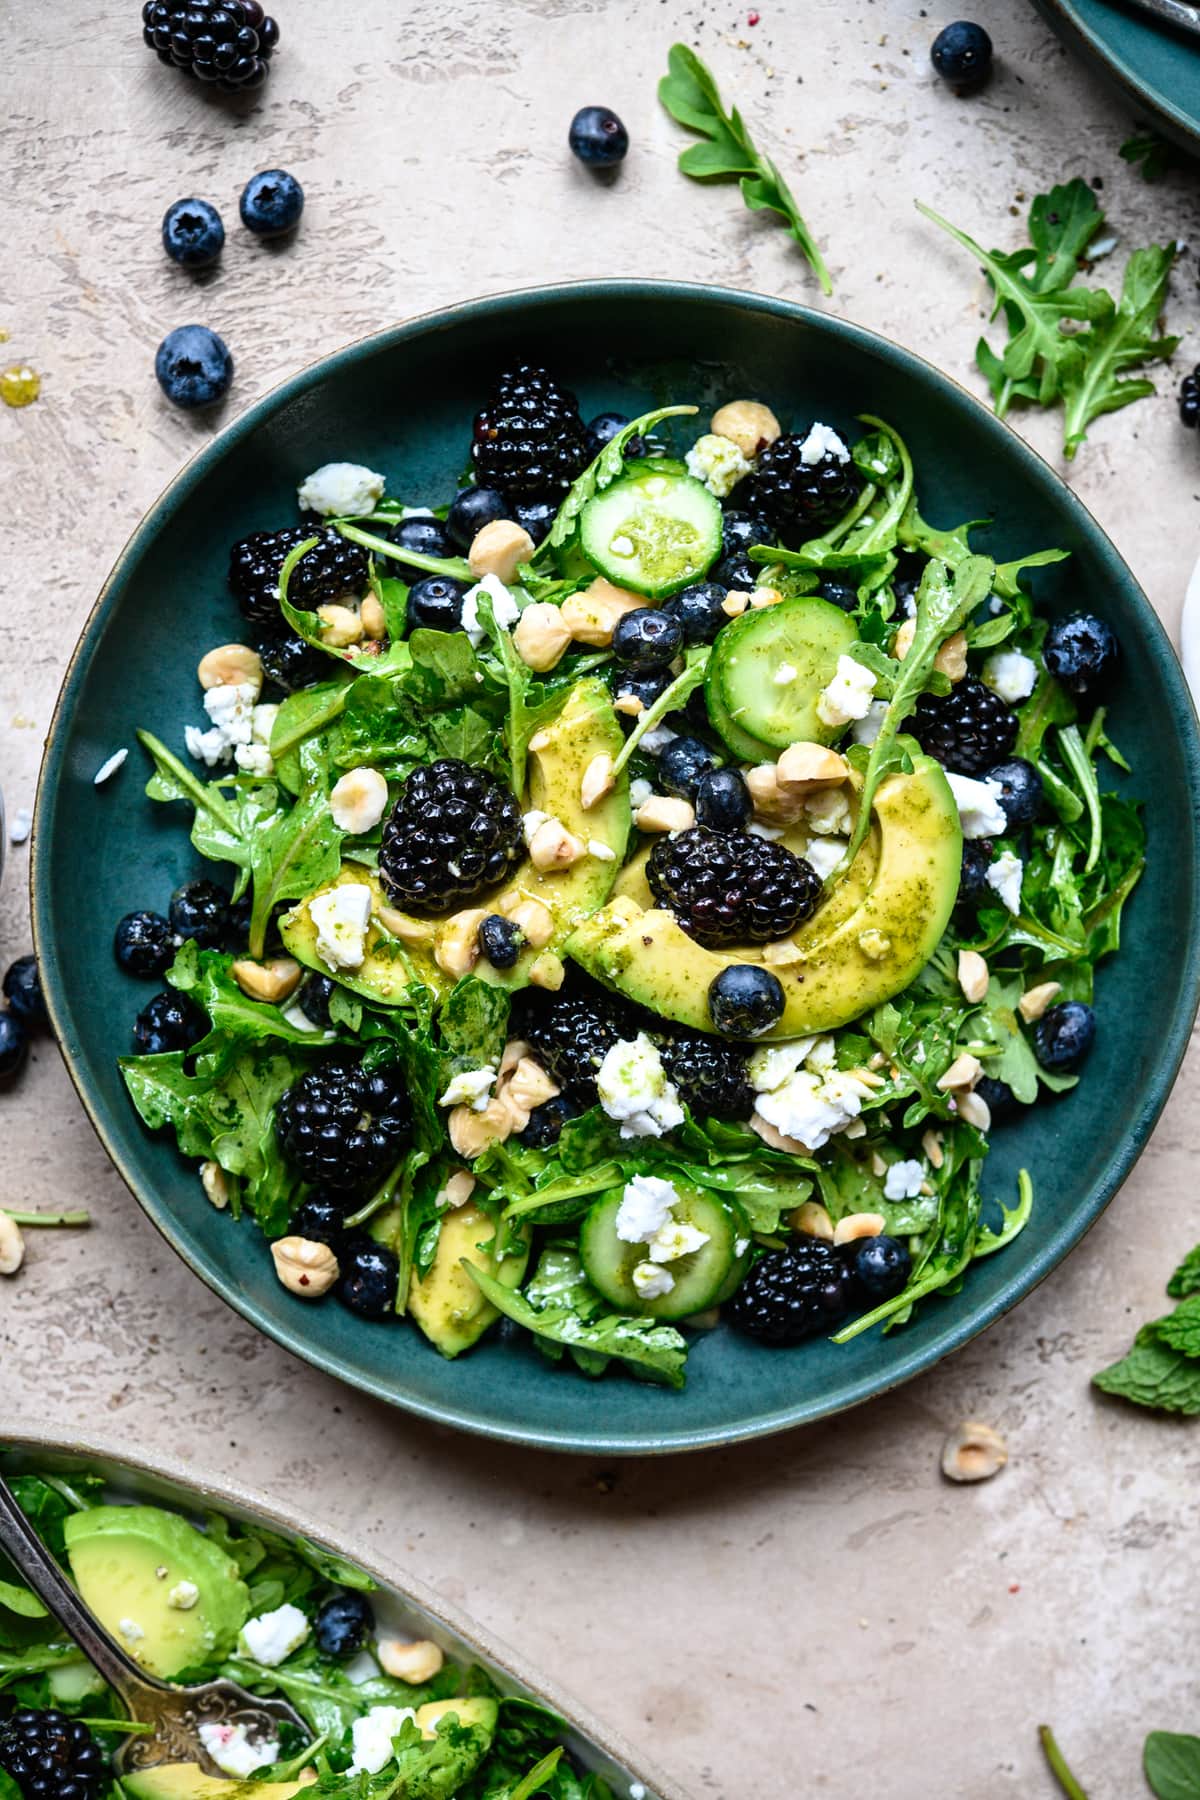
x=52 y=1757
x=144 y=944
x=969 y=730
x=709 y=1072
x=332 y=569
x=226 y=43
x=529 y=439
x=731 y=888
x=793 y=1293
x=454 y=831
x=291 y=663
x=342 y=1126
x=800 y=496
x=572 y=1032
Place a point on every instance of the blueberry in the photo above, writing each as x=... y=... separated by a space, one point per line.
x=722 y=801
x=962 y=54
x=744 y=1000
x=741 y=529
x=840 y=593
x=14 y=1044
x=535 y=516
x=193 y=366
x=321 y=1219
x=22 y=989
x=603 y=429
x=736 y=571
x=682 y=765
x=646 y=685
x=1082 y=654
x=546 y=1122
x=998 y=1097
x=200 y=910
x=500 y=941
x=290 y=662
x=271 y=203
x=170 y=1022
x=424 y=535
x=470 y=511
x=313 y=997
x=342 y=1625
x=192 y=233
x=698 y=609
x=646 y=638
x=906 y=579
x=143 y=944
x=367 y=1282
x=435 y=604
x=1064 y=1034
x=881 y=1265
x=976 y=861
x=597 y=137
x=1021 y=791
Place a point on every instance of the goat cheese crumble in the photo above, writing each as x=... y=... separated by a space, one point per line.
x=371 y=1738
x=979 y=810
x=230 y=708
x=1005 y=877
x=634 y=1090
x=717 y=462
x=645 y=1208
x=272 y=1636
x=1011 y=674
x=651 y=1280
x=848 y=696
x=341 y=488
x=505 y=610
x=471 y=1088
x=903 y=1180
x=230 y=1748
x=802 y=1094
x=823 y=441
x=341 y=917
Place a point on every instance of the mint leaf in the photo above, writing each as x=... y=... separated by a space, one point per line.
x=690 y=94
x=1180 y=1330
x=1155 y=1375
x=1171 y=1760
x=1186 y=1279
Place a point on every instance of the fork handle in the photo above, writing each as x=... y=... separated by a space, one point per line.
x=35 y=1565
x=1174 y=12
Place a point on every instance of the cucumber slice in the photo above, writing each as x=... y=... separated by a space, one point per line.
x=767 y=670
x=700 y=1278
x=749 y=749
x=653 y=533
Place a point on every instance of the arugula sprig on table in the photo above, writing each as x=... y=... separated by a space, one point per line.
x=1170 y=1763
x=1162 y=1367
x=690 y=94
x=1069 y=344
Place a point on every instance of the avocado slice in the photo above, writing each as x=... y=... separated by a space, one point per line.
x=447 y=1305
x=400 y=947
x=187 y=1781
x=877 y=930
x=478 y=1713
x=128 y=1561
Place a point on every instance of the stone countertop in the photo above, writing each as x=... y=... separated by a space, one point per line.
x=820 y=1613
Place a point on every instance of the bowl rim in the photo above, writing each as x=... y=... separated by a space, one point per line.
x=805 y=1408
x=1063 y=17
x=493 y=1651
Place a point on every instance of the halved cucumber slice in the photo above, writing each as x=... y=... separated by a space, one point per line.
x=699 y=1278
x=749 y=749
x=652 y=533
x=767 y=671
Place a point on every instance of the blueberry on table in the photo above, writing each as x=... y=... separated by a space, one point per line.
x=699 y=609
x=793 y=1293
x=471 y=510
x=14 y=1042
x=367 y=1282
x=1021 y=791
x=881 y=1266
x=744 y=1000
x=646 y=638
x=962 y=54
x=193 y=366
x=271 y=203
x=22 y=988
x=1064 y=1034
x=342 y=1625
x=722 y=801
x=200 y=910
x=435 y=604
x=1082 y=653
x=192 y=233
x=683 y=764
x=597 y=137
x=144 y=944
x=169 y=1022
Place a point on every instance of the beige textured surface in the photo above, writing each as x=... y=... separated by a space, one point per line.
x=819 y=1614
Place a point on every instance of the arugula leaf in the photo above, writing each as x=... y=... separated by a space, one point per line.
x=565 y=1312
x=1171 y=1760
x=1122 y=337
x=293 y=852
x=690 y=94
x=604 y=469
x=457 y=567
x=1151 y=156
x=204 y=975
x=19 y=1600
x=222 y=827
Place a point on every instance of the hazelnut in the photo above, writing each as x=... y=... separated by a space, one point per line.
x=765 y=596
x=552 y=846
x=858 y=1225
x=513 y=1051
x=951 y=659
x=902 y=642
x=472 y=1132
x=374 y=619
x=874 y=944
x=270 y=981
x=541 y=740
x=748 y=424
x=456 y=945
x=304 y=1267
x=598 y=780
x=401 y=925
x=973 y=1452
x=341 y=626
x=231 y=665
x=771 y=1134
x=530 y=1086
x=541 y=634
x=533 y=920
x=547 y=971
x=813 y=1220
x=416 y=1662
x=662 y=812
x=735 y=602
x=455 y=1191
x=879 y=1167
x=12 y=1245
x=591 y=616
x=1034 y=1002
x=963 y=1073
x=358 y=801
x=771 y=801
x=629 y=704
x=808 y=768
x=215 y=1183
x=972 y=975
x=499 y=548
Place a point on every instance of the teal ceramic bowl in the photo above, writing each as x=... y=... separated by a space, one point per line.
x=403 y=402
x=1155 y=68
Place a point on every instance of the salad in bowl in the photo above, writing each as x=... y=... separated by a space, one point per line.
x=656 y=870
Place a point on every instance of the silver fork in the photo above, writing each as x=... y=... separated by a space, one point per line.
x=173 y=1713
x=1172 y=12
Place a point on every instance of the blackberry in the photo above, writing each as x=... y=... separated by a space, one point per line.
x=332 y=569
x=572 y=1032
x=342 y=1624
x=291 y=663
x=529 y=439
x=170 y=1022
x=367 y=1282
x=22 y=988
x=546 y=1122
x=144 y=944
x=791 y=1294
x=200 y=910
x=1189 y=399
x=709 y=1072
x=454 y=831
x=731 y=888
x=969 y=730
x=227 y=43
x=342 y=1126
x=313 y=997
x=801 y=497
x=51 y=1757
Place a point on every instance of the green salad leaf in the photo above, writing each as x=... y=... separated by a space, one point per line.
x=1171 y=1760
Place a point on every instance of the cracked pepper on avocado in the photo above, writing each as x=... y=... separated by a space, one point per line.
x=656 y=874
x=197 y=1601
